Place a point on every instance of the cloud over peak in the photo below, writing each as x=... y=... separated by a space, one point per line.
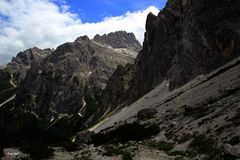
x=44 y=24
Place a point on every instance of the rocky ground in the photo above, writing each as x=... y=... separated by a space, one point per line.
x=178 y=100
x=202 y=117
x=199 y=121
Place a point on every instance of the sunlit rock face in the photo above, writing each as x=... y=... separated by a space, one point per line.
x=71 y=75
x=20 y=64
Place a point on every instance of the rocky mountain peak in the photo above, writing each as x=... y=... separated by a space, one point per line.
x=119 y=39
x=30 y=56
x=23 y=61
x=82 y=38
x=73 y=72
x=177 y=97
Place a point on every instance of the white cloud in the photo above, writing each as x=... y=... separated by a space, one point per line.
x=42 y=23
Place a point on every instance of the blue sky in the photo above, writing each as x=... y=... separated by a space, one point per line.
x=96 y=10
x=49 y=23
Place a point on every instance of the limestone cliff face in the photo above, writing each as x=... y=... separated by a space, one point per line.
x=119 y=39
x=23 y=61
x=117 y=87
x=73 y=73
x=186 y=39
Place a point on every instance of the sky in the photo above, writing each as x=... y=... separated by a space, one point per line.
x=48 y=23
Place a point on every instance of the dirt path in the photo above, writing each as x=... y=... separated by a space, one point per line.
x=11 y=81
x=11 y=98
x=8 y=100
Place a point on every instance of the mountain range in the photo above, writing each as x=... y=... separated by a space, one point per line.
x=175 y=97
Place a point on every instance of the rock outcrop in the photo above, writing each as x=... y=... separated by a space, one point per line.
x=184 y=106
x=23 y=61
x=119 y=39
x=117 y=87
x=200 y=119
x=68 y=80
x=186 y=39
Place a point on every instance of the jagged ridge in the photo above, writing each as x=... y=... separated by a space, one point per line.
x=186 y=39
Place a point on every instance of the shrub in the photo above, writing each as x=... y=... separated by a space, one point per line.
x=190 y=153
x=5 y=77
x=184 y=138
x=197 y=111
x=112 y=151
x=37 y=150
x=161 y=145
x=207 y=146
x=126 y=156
x=234 y=140
x=115 y=151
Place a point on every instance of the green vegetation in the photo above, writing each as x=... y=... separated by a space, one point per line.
x=5 y=78
x=64 y=126
x=49 y=75
x=205 y=145
x=91 y=105
x=30 y=133
x=184 y=138
x=76 y=81
x=234 y=140
x=161 y=145
x=126 y=156
x=7 y=90
x=228 y=91
x=83 y=158
x=69 y=145
x=92 y=102
x=135 y=132
x=235 y=120
x=37 y=150
x=116 y=151
x=112 y=151
x=212 y=100
x=190 y=153
x=200 y=145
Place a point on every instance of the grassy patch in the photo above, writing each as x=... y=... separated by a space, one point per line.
x=211 y=100
x=83 y=157
x=126 y=132
x=234 y=140
x=161 y=145
x=116 y=151
x=207 y=146
x=5 y=77
x=69 y=146
x=37 y=150
x=112 y=151
x=184 y=138
x=228 y=91
x=91 y=105
x=235 y=119
x=203 y=144
x=190 y=153
x=127 y=156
